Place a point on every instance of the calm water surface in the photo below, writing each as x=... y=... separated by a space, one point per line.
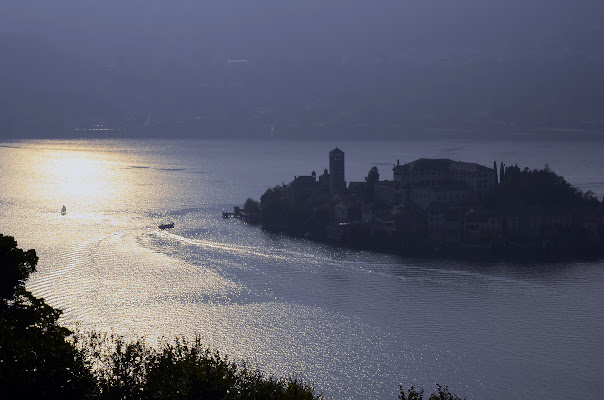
x=357 y=324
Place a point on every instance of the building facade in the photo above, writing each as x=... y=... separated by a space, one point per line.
x=425 y=181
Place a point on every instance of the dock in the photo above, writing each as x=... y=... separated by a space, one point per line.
x=235 y=214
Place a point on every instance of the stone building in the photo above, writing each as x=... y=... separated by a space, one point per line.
x=426 y=181
x=301 y=188
x=324 y=179
x=337 y=184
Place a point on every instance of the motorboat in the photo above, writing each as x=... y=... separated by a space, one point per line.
x=167 y=226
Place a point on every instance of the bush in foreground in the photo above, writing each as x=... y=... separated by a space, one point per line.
x=179 y=370
x=418 y=394
x=36 y=360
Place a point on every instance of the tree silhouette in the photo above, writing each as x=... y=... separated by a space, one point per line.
x=37 y=360
x=538 y=188
x=251 y=206
x=373 y=177
x=415 y=394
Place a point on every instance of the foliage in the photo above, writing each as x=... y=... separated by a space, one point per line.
x=36 y=359
x=415 y=394
x=181 y=370
x=373 y=177
x=538 y=188
x=251 y=206
x=15 y=267
x=275 y=208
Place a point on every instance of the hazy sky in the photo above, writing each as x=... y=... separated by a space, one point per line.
x=246 y=26
x=317 y=62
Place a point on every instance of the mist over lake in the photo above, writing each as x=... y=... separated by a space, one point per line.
x=312 y=69
x=357 y=324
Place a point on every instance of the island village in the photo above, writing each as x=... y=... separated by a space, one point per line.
x=437 y=206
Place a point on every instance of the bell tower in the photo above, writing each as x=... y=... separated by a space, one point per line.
x=337 y=184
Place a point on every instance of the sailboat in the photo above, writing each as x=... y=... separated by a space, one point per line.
x=63 y=210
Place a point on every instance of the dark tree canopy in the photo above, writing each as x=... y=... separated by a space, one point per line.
x=251 y=206
x=538 y=188
x=418 y=394
x=275 y=208
x=15 y=267
x=37 y=360
x=373 y=176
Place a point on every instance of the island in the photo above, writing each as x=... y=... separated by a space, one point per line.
x=437 y=207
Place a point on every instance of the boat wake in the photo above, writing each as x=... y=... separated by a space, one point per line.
x=230 y=248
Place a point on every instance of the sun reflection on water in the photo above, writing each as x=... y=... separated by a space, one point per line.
x=78 y=175
x=357 y=323
x=80 y=180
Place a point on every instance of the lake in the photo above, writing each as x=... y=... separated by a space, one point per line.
x=356 y=324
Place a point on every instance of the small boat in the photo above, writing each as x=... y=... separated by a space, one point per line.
x=63 y=210
x=167 y=226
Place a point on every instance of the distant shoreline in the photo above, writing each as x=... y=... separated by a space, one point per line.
x=492 y=133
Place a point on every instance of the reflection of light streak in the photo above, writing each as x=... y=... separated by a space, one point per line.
x=79 y=174
x=219 y=246
x=77 y=179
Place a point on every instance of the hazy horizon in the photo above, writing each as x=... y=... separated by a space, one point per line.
x=299 y=70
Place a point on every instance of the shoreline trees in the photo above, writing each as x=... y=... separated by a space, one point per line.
x=530 y=214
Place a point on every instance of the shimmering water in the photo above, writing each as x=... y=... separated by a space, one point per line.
x=357 y=324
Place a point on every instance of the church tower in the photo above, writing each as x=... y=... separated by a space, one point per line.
x=336 y=171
